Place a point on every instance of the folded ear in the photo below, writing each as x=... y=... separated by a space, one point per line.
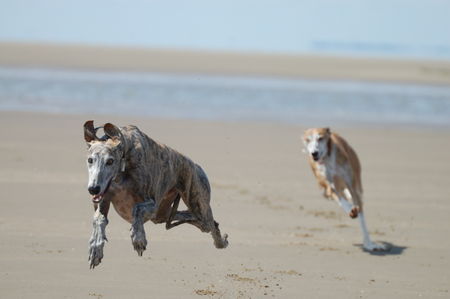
x=112 y=132
x=89 y=131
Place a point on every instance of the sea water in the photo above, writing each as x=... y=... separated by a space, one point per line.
x=223 y=98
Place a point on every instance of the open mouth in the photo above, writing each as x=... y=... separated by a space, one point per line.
x=99 y=197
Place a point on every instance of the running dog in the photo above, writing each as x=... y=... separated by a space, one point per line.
x=338 y=171
x=144 y=180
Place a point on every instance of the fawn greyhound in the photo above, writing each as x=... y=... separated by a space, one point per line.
x=144 y=180
x=338 y=171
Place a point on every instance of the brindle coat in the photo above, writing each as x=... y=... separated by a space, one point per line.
x=146 y=182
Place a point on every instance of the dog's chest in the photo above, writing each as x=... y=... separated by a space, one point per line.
x=328 y=169
x=123 y=202
x=321 y=169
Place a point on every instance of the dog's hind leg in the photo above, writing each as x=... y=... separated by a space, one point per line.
x=219 y=241
x=180 y=217
x=208 y=224
x=202 y=218
x=98 y=237
x=142 y=212
x=173 y=212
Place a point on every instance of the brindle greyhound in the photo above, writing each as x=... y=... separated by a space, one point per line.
x=144 y=180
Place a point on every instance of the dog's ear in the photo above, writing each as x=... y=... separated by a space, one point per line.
x=89 y=131
x=112 y=132
x=327 y=130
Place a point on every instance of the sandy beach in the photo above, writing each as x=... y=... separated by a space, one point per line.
x=220 y=62
x=286 y=241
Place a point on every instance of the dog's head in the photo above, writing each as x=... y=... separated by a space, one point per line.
x=316 y=141
x=105 y=158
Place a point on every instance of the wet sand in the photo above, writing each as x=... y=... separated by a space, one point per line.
x=286 y=241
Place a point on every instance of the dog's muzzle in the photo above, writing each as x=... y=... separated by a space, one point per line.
x=315 y=156
x=95 y=191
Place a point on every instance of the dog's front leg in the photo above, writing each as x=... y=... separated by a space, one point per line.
x=142 y=212
x=367 y=242
x=348 y=208
x=98 y=237
x=343 y=197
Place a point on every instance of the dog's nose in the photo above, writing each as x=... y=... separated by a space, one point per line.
x=94 y=190
x=315 y=155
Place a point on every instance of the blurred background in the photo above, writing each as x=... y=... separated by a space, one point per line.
x=312 y=62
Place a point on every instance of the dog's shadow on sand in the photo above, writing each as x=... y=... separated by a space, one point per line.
x=391 y=249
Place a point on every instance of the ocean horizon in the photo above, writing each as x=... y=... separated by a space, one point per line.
x=399 y=29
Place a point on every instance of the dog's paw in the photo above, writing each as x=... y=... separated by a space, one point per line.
x=223 y=243
x=95 y=255
x=138 y=240
x=354 y=212
x=140 y=246
x=375 y=247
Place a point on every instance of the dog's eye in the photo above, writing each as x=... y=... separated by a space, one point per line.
x=90 y=160
x=320 y=138
x=109 y=162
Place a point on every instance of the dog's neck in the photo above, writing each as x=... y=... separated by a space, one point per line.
x=329 y=147
x=124 y=152
x=119 y=175
x=323 y=160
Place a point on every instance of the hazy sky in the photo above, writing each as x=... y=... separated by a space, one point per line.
x=377 y=27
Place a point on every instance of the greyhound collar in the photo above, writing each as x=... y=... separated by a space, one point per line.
x=122 y=164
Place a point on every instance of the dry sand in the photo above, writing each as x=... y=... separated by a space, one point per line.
x=168 y=60
x=286 y=241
